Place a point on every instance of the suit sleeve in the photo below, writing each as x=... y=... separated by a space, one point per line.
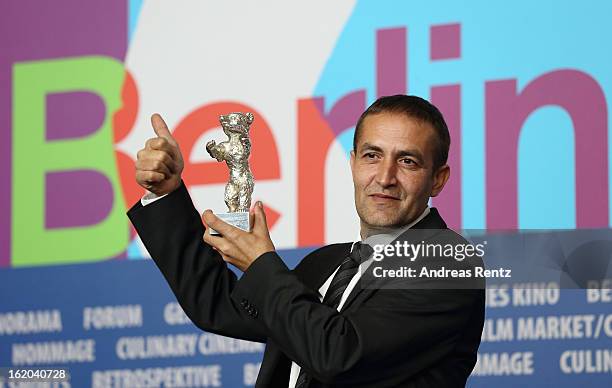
x=171 y=230
x=374 y=342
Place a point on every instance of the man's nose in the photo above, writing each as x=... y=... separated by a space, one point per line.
x=386 y=175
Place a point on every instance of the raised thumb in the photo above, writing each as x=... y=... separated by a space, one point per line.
x=160 y=127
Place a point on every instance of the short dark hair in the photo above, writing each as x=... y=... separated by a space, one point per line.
x=417 y=108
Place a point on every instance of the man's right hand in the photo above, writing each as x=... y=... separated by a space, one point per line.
x=159 y=165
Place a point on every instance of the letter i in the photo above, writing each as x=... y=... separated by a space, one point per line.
x=445 y=44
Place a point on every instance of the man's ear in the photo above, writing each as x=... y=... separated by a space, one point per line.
x=439 y=179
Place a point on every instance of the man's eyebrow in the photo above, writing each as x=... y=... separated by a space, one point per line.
x=369 y=146
x=410 y=152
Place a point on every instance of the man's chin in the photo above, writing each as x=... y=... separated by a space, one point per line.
x=385 y=222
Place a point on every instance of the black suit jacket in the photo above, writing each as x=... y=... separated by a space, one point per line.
x=381 y=338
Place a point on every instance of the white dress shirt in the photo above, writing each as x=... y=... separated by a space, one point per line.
x=150 y=197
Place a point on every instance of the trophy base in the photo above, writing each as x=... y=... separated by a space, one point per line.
x=238 y=219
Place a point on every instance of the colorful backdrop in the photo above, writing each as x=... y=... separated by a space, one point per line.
x=525 y=88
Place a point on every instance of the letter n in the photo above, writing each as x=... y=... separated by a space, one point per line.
x=506 y=111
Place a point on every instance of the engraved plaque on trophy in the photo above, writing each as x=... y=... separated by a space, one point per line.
x=235 y=153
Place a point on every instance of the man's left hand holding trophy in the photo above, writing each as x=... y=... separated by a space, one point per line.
x=158 y=169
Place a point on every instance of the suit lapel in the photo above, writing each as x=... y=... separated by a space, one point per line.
x=314 y=270
x=428 y=226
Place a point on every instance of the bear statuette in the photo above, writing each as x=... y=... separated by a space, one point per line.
x=235 y=152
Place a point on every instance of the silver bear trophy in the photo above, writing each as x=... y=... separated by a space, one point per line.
x=235 y=151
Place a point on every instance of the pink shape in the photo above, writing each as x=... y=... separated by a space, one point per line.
x=445 y=41
x=73 y=114
x=76 y=198
x=345 y=112
x=391 y=62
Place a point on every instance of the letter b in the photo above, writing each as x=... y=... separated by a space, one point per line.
x=60 y=169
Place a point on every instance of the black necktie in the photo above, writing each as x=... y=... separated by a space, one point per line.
x=344 y=274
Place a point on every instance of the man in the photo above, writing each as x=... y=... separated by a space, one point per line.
x=322 y=327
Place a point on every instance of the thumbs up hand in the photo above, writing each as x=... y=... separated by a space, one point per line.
x=159 y=165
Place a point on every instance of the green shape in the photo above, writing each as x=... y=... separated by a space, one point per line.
x=32 y=244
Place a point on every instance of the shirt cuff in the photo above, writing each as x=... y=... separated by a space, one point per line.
x=150 y=198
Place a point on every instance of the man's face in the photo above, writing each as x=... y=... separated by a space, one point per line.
x=392 y=169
